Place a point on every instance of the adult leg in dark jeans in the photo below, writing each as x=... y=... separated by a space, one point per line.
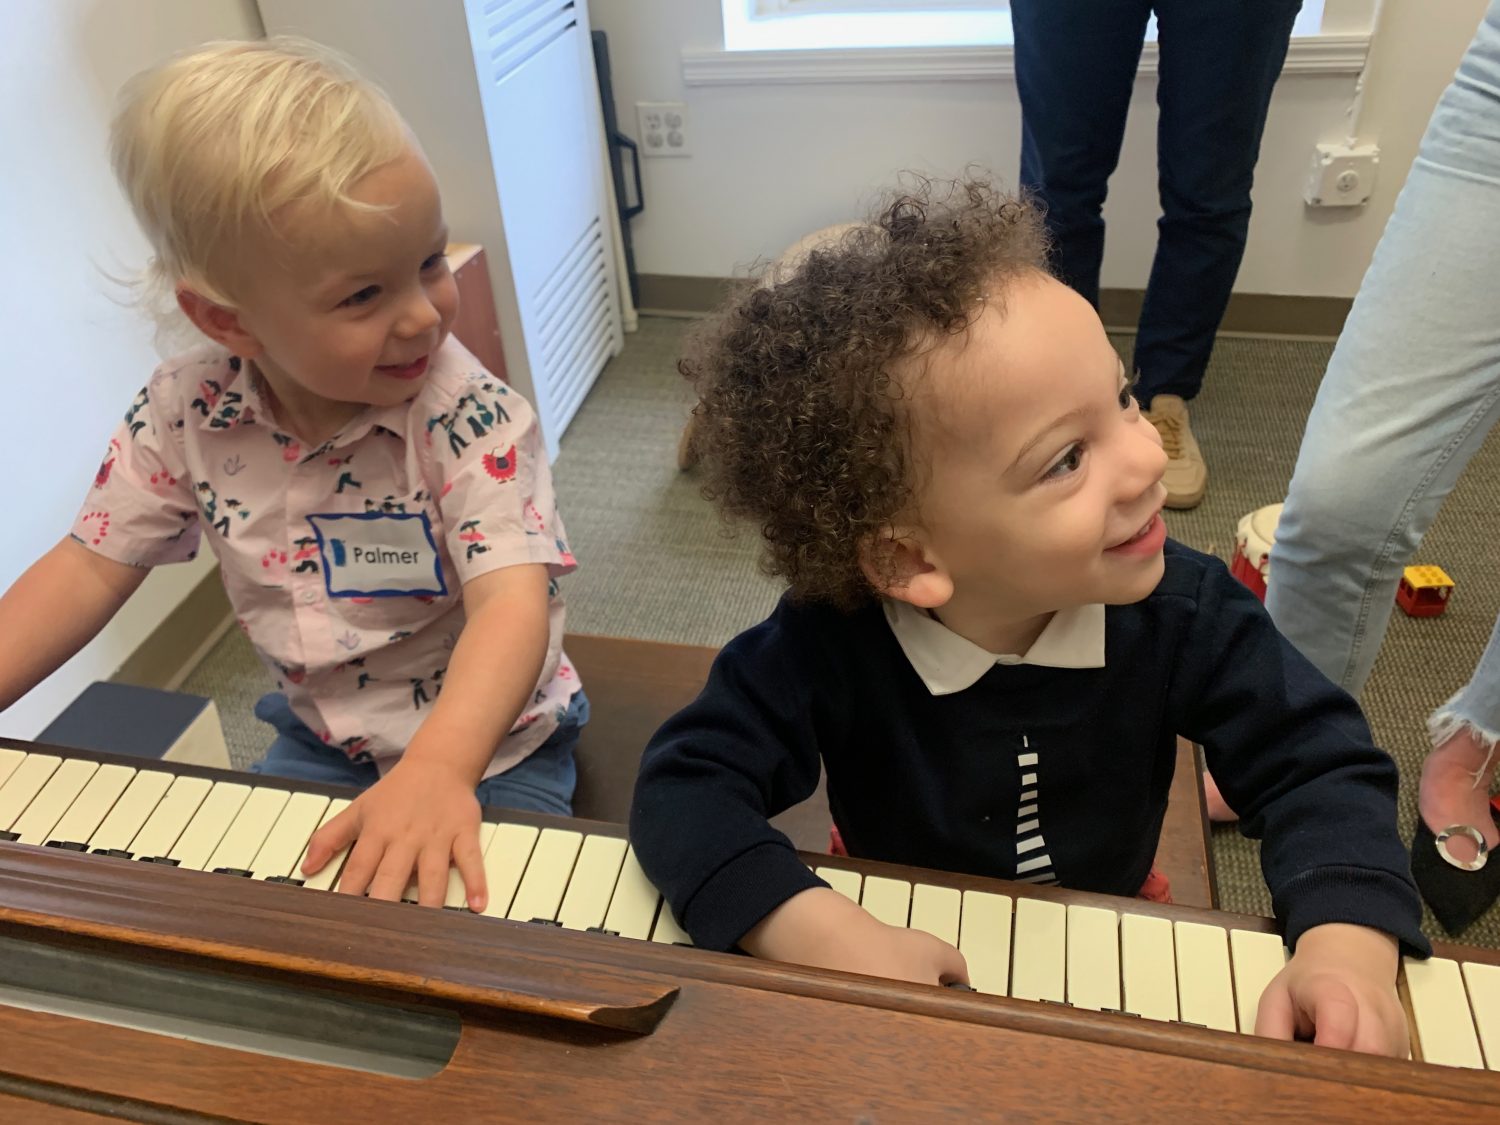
x=1219 y=61
x=1075 y=69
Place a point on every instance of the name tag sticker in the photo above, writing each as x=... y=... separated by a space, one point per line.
x=378 y=555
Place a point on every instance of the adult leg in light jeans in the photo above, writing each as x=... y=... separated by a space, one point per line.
x=1411 y=392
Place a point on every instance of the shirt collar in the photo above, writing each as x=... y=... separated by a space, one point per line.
x=226 y=396
x=948 y=663
x=230 y=396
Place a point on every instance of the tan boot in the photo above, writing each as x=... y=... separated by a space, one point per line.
x=1186 y=477
x=687 y=445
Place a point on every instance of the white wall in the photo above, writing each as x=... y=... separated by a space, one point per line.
x=73 y=356
x=775 y=161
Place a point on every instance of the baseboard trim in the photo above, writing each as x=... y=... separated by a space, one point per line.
x=1268 y=314
x=664 y=294
x=197 y=624
x=1256 y=314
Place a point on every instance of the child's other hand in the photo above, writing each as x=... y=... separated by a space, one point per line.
x=821 y=927
x=1339 y=990
x=417 y=817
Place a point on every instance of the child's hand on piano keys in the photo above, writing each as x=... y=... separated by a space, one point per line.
x=822 y=928
x=1339 y=990
x=418 y=817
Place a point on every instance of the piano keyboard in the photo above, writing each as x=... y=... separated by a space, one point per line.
x=1038 y=949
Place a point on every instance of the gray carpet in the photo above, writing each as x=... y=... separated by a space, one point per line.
x=657 y=564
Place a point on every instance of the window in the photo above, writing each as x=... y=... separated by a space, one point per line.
x=770 y=25
x=760 y=25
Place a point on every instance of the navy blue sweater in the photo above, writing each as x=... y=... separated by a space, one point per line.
x=937 y=781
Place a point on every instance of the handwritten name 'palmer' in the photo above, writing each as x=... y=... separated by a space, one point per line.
x=385 y=555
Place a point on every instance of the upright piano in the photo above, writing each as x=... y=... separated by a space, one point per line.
x=162 y=960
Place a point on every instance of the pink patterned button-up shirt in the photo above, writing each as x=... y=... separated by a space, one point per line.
x=345 y=563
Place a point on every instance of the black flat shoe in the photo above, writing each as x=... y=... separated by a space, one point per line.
x=1457 y=894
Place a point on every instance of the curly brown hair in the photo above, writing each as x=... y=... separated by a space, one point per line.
x=801 y=377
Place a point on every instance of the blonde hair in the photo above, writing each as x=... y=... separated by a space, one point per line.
x=213 y=143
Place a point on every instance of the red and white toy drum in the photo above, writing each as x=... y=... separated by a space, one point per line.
x=1252 y=548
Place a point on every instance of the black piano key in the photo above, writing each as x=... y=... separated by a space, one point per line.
x=1120 y=1012
x=159 y=859
x=286 y=879
x=69 y=845
x=545 y=922
x=465 y=909
x=960 y=986
x=118 y=853
x=1059 y=1003
x=239 y=871
x=602 y=930
x=1189 y=1023
x=9 y=836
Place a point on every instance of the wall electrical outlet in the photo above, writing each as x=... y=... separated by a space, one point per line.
x=1342 y=175
x=664 y=128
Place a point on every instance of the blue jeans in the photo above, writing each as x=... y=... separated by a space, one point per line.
x=1411 y=392
x=1075 y=70
x=541 y=782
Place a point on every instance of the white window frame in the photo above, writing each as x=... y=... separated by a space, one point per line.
x=819 y=41
x=773 y=9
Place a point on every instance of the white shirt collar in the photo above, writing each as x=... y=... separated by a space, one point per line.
x=947 y=663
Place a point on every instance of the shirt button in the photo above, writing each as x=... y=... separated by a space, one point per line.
x=309 y=597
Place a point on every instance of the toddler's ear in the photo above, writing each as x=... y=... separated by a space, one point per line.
x=900 y=566
x=218 y=322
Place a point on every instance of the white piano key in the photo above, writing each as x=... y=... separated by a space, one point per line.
x=1484 y=1001
x=248 y=831
x=936 y=910
x=1440 y=1007
x=172 y=814
x=414 y=887
x=326 y=877
x=887 y=899
x=667 y=931
x=457 y=895
x=984 y=940
x=1205 y=987
x=53 y=799
x=632 y=909
x=1149 y=966
x=1257 y=958
x=131 y=811
x=846 y=882
x=87 y=812
x=593 y=883
x=283 y=845
x=1093 y=958
x=1040 y=947
x=24 y=783
x=546 y=878
x=209 y=823
x=505 y=864
x=9 y=760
